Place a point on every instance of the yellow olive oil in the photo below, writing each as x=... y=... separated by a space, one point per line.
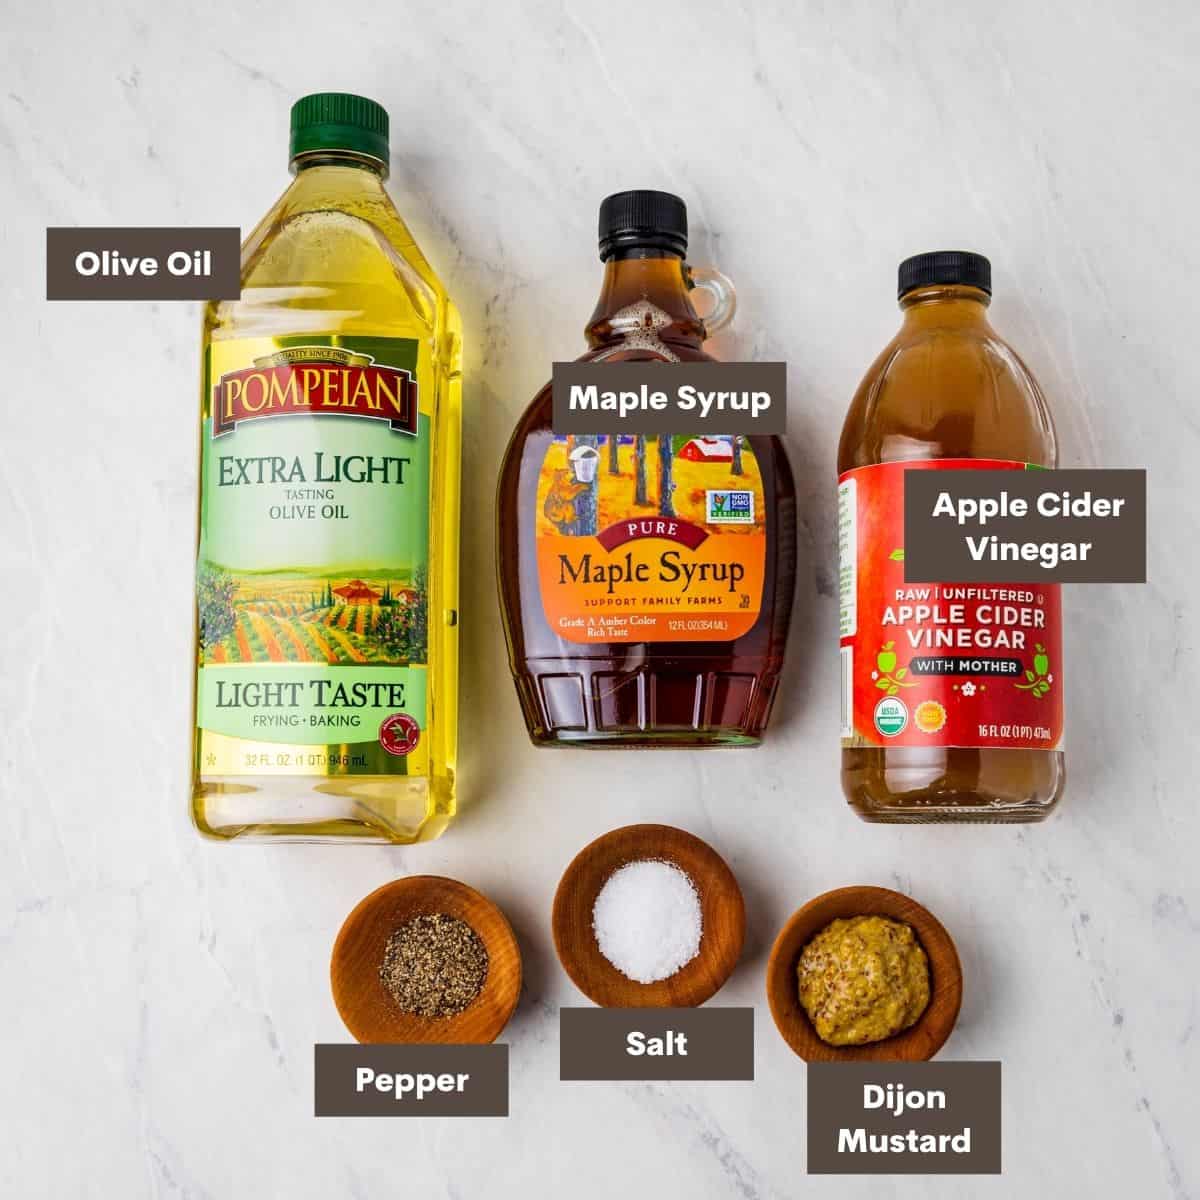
x=327 y=576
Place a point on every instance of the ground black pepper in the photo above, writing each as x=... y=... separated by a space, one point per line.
x=434 y=965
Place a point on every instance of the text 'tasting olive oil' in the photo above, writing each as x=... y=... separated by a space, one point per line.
x=327 y=578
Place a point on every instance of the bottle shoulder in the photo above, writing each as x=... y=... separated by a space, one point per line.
x=333 y=256
x=947 y=393
x=538 y=412
x=537 y=417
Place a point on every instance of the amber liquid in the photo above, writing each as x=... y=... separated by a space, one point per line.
x=946 y=386
x=703 y=693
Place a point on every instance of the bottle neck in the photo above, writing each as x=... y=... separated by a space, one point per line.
x=944 y=304
x=314 y=159
x=645 y=290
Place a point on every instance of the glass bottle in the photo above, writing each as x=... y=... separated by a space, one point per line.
x=327 y=640
x=924 y=737
x=652 y=675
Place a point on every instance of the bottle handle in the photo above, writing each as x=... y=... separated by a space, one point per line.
x=720 y=291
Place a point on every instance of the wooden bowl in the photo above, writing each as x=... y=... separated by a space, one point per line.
x=365 y=1005
x=723 y=913
x=915 y=1044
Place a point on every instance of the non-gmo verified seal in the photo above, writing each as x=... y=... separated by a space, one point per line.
x=729 y=507
x=891 y=716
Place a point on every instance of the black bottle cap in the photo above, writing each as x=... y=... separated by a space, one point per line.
x=945 y=266
x=635 y=220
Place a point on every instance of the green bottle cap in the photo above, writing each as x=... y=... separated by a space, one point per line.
x=339 y=121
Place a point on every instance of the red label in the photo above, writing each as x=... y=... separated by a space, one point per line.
x=315 y=381
x=683 y=532
x=399 y=734
x=939 y=664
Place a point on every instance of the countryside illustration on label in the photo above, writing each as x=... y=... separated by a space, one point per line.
x=305 y=619
x=650 y=537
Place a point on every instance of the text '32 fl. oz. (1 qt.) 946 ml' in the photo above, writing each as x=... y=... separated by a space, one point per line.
x=327 y=575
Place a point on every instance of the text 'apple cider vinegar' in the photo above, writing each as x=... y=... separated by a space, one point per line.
x=327 y=578
x=952 y=694
x=645 y=580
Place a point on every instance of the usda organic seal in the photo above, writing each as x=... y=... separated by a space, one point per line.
x=891 y=716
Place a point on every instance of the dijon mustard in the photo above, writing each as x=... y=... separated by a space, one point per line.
x=863 y=979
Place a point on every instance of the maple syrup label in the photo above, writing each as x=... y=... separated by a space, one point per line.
x=650 y=538
x=970 y=665
x=312 y=596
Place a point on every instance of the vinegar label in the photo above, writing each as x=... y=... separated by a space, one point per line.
x=938 y=664
x=312 y=579
x=650 y=538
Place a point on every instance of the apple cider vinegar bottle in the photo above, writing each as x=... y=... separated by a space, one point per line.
x=952 y=693
x=327 y=580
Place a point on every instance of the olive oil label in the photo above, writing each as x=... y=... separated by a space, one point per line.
x=313 y=558
x=969 y=665
x=650 y=538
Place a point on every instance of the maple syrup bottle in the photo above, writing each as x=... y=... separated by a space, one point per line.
x=951 y=693
x=618 y=640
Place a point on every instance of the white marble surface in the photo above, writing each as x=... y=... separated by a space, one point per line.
x=160 y=997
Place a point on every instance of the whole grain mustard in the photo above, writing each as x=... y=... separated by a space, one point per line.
x=863 y=979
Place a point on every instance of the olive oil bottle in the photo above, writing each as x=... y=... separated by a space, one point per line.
x=327 y=578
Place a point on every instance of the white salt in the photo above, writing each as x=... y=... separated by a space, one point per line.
x=647 y=920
